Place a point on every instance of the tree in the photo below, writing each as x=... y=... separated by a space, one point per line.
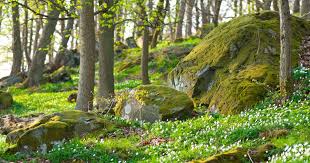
x=1 y=15
x=217 y=8
x=87 y=59
x=25 y=37
x=159 y=17
x=189 y=17
x=296 y=6
x=66 y=34
x=275 y=5
x=106 y=50
x=286 y=83
x=305 y=8
x=37 y=65
x=180 y=19
x=145 y=44
x=17 y=46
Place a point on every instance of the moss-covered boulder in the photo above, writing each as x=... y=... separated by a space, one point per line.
x=60 y=75
x=6 y=100
x=154 y=102
x=49 y=130
x=236 y=63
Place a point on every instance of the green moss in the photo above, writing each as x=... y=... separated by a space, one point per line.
x=6 y=100
x=237 y=61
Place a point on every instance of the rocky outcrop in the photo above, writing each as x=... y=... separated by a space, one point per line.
x=152 y=103
x=49 y=130
x=6 y=100
x=12 y=80
x=60 y=75
x=236 y=63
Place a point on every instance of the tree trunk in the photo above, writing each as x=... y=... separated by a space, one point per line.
x=236 y=8
x=217 y=8
x=296 y=6
x=1 y=16
x=30 y=38
x=16 y=46
x=87 y=58
x=25 y=37
x=240 y=7
x=66 y=34
x=106 y=53
x=275 y=5
x=305 y=8
x=286 y=84
x=197 y=17
x=204 y=16
x=37 y=35
x=180 y=19
x=189 y=17
x=267 y=4
x=37 y=66
x=158 y=22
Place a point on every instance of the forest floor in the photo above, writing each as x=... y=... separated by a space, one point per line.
x=267 y=132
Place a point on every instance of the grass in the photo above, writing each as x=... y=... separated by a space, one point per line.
x=194 y=139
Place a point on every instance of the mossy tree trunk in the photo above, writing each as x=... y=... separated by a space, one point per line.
x=286 y=83
x=16 y=46
x=87 y=57
x=106 y=51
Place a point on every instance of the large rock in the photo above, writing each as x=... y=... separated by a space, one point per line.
x=6 y=100
x=153 y=102
x=236 y=63
x=60 y=75
x=49 y=130
x=12 y=80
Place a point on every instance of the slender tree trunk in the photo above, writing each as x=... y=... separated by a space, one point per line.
x=197 y=17
x=37 y=66
x=275 y=5
x=208 y=10
x=30 y=38
x=159 y=21
x=236 y=8
x=217 y=12
x=286 y=84
x=66 y=34
x=25 y=37
x=170 y=21
x=87 y=59
x=189 y=17
x=180 y=19
x=241 y=7
x=145 y=45
x=267 y=4
x=204 y=16
x=37 y=35
x=296 y=6
x=106 y=53
x=16 y=47
x=305 y=8
x=1 y=16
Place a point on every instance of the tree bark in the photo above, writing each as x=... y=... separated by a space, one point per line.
x=1 y=16
x=267 y=4
x=106 y=53
x=189 y=17
x=37 y=66
x=217 y=8
x=66 y=34
x=87 y=57
x=305 y=8
x=16 y=46
x=286 y=84
x=204 y=16
x=197 y=17
x=296 y=6
x=25 y=37
x=158 y=22
x=37 y=35
x=275 y=5
x=30 y=38
x=180 y=19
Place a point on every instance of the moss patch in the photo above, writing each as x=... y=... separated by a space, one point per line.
x=236 y=63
